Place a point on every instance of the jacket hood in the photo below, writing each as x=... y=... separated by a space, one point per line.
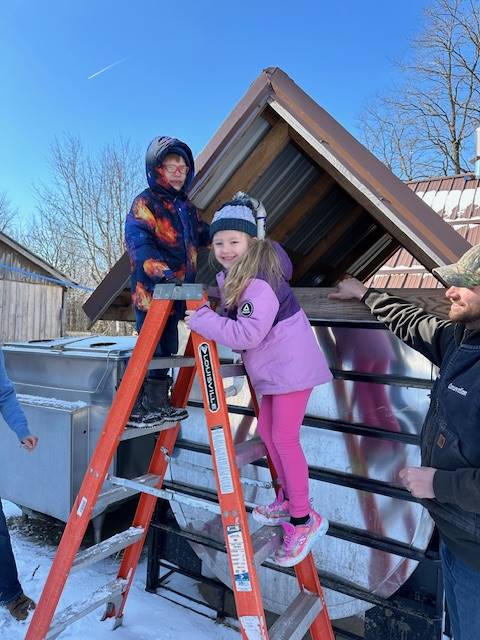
x=285 y=262
x=156 y=152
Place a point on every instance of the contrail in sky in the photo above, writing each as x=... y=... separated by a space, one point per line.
x=114 y=64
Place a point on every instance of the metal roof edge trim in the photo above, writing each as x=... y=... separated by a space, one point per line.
x=309 y=113
x=251 y=103
x=468 y=177
x=235 y=134
x=120 y=273
x=107 y=304
x=360 y=186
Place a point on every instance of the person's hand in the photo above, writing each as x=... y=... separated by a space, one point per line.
x=29 y=443
x=188 y=314
x=348 y=289
x=419 y=481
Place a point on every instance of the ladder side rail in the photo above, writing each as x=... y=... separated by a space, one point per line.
x=245 y=582
x=105 y=449
x=146 y=505
x=307 y=576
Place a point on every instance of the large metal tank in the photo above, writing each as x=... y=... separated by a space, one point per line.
x=66 y=387
x=379 y=382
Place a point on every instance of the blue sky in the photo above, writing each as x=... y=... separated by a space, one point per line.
x=187 y=63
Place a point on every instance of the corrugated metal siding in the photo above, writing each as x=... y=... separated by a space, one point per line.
x=457 y=200
x=29 y=311
x=320 y=220
x=289 y=176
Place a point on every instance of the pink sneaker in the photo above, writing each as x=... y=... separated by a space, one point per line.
x=298 y=540
x=272 y=514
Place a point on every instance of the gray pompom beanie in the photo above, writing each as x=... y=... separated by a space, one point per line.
x=234 y=217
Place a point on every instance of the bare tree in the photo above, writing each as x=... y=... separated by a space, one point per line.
x=78 y=226
x=425 y=126
x=7 y=213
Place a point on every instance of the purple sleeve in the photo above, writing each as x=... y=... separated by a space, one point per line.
x=256 y=313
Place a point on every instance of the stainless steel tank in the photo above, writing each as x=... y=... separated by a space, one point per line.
x=66 y=387
x=381 y=383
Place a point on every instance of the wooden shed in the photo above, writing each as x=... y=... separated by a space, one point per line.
x=32 y=299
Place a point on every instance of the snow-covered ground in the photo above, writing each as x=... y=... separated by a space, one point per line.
x=147 y=616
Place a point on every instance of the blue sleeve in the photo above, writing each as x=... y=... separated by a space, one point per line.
x=10 y=408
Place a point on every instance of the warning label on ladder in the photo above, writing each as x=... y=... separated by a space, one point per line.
x=221 y=458
x=253 y=627
x=238 y=558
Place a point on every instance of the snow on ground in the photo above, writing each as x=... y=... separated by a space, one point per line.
x=147 y=616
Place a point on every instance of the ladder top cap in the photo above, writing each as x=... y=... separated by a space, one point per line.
x=178 y=292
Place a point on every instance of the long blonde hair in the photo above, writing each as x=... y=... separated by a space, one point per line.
x=260 y=258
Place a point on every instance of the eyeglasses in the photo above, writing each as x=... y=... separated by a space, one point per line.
x=173 y=168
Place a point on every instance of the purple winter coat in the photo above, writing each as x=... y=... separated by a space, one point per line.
x=272 y=332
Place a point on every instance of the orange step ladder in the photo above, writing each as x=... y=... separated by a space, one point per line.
x=307 y=611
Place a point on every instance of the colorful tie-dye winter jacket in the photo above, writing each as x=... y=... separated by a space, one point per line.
x=163 y=230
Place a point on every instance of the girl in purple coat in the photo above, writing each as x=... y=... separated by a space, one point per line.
x=264 y=322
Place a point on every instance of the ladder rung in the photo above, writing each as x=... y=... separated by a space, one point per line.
x=265 y=542
x=232 y=370
x=107 y=547
x=166 y=494
x=296 y=620
x=79 y=609
x=137 y=432
x=249 y=451
x=121 y=492
x=171 y=362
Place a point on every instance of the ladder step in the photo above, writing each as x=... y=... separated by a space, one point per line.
x=137 y=432
x=166 y=494
x=80 y=609
x=266 y=541
x=171 y=362
x=232 y=370
x=120 y=492
x=107 y=547
x=227 y=370
x=296 y=620
x=249 y=451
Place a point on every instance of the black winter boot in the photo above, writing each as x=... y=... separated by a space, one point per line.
x=139 y=411
x=158 y=400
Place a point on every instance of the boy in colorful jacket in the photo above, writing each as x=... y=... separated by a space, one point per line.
x=163 y=232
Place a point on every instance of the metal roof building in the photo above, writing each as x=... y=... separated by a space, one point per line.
x=456 y=200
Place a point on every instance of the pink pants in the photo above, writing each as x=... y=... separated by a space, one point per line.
x=279 y=422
